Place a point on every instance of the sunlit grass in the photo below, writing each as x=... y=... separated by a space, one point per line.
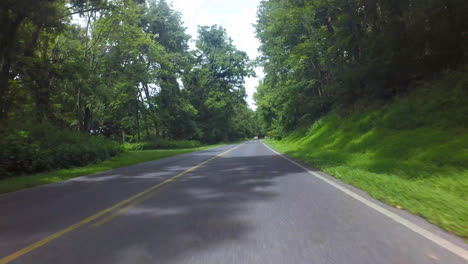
x=122 y=160
x=412 y=153
x=400 y=169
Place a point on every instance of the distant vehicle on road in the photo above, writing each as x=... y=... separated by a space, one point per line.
x=256 y=138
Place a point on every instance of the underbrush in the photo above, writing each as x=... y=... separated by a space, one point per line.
x=411 y=153
x=124 y=159
x=162 y=144
x=32 y=148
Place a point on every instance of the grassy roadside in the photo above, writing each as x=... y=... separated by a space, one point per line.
x=122 y=160
x=411 y=153
x=441 y=198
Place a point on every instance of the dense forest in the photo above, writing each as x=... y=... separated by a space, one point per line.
x=320 y=55
x=119 y=69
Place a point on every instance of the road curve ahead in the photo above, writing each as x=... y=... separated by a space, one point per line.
x=232 y=204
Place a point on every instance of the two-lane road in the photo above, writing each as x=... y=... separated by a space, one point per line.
x=232 y=204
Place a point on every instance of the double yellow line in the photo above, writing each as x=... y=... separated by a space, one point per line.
x=130 y=202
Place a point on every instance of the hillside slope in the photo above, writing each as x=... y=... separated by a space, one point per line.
x=411 y=153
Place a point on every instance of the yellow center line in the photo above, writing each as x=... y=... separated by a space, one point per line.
x=120 y=211
x=89 y=219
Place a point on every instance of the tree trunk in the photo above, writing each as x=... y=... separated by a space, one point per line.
x=87 y=119
x=7 y=43
x=4 y=79
x=455 y=55
x=42 y=95
x=39 y=77
x=153 y=116
x=78 y=108
x=157 y=132
x=145 y=115
x=137 y=120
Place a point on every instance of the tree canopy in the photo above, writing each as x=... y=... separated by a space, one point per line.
x=122 y=69
x=319 y=54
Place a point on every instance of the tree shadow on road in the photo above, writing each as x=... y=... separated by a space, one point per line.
x=202 y=210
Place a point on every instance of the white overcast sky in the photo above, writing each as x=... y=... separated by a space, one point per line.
x=236 y=16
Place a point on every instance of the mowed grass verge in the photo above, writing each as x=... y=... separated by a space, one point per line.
x=411 y=153
x=121 y=160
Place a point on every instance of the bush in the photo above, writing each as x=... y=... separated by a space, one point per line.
x=31 y=148
x=163 y=144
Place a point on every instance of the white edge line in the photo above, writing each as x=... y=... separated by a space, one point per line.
x=421 y=231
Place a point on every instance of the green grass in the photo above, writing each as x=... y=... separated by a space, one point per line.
x=162 y=144
x=411 y=153
x=122 y=160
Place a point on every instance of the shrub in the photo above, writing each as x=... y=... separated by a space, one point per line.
x=31 y=148
x=163 y=144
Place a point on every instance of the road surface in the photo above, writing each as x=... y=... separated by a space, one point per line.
x=239 y=203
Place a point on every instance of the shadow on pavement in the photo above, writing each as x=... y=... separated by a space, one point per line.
x=202 y=210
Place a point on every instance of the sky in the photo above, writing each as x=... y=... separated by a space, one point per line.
x=236 y=16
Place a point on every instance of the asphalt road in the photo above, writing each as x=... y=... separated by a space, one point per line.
x=248 y=205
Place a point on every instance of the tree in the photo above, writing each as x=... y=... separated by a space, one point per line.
x=319 y=54
x=216 y=82
x=118 y=70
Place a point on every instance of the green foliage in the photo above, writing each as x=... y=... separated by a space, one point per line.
x=410 y=153
x=162 y=144
x=116 y=74
x=321 y=54
x=216 y=88
x=30 y=148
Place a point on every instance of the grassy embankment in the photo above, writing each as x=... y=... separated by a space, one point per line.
x=129 y=157
x=411 y=153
